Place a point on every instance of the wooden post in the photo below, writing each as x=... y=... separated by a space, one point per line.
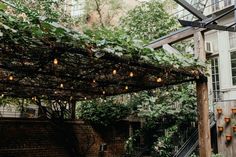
x=202 y=101
x=73 y=107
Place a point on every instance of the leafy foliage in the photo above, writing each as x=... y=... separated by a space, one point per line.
x=148 y=21
x=102 y=112
x=166 y=112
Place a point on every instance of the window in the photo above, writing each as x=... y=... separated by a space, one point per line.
x=215 y=79
x=215 y=5
x=232 y=40
x=77 y=7
x=227 y=3
x=233 y=67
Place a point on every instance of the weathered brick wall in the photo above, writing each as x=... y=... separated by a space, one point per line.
x=36 y=138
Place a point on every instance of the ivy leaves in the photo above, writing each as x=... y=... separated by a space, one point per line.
x=102 y=112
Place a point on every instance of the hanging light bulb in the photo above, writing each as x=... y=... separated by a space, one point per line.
x=55 y=61
x=126 y=87
x=131 y=74
x=34 y=98
x=114 y=72
x=61 y=85
x=159 y=80
x=10 y=77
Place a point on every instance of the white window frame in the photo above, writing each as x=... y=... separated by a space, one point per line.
x=231 y=68
x=228 y=3
x=215 y=5
x=234 y=39
x=214 y=82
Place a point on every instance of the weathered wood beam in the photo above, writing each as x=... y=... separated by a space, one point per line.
x=170 y=49
x=202 y=101
x=174 y=37
x=208 y=26
x=191 y=9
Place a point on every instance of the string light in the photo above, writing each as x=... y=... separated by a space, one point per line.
x=131 y=74
x=103 y=92
x=94 y=81
x=34 y=98
x=2 y=95
x=55 y=61
x=10 y=77
x=126 y=87
x=159 y=80
x=62 y=85
x=114 y=72
x=85 y=98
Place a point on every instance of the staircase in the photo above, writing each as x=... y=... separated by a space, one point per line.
x=191 y=144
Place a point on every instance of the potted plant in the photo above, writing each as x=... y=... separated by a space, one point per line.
x=219 y=110
x=220 y=129
x=233 y=110
x=228 y=138
x=234 y=128
x=227 y=119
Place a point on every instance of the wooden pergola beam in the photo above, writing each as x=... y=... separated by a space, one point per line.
x=207 y=25
x=202 y=101
x=174 y=37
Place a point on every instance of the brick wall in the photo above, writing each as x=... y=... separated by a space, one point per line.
x=38 y=138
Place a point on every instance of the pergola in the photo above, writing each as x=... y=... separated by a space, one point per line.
x=48 y=61
x=65 y=65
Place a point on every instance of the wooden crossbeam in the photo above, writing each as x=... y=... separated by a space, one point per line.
x=208 y=26
x=174 y=37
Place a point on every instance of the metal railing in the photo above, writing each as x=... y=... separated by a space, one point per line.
x=191 y=144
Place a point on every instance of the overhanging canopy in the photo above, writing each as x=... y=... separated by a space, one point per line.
x=43 y=60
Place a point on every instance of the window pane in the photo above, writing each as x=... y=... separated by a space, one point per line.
x=233 y=55
x=215 y=79
x=234 y=80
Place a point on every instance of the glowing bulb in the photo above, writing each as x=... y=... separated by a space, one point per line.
x=2 y=95
x=126 y=87
x=103 y=92
x=94 y=81
x=159 y=80
x=34 y=98
x=55 y=61
x=61 y=85
x=10 y=77
x=131 y=74
x=85 y=98
x=114 y=72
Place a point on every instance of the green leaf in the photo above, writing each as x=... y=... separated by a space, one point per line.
x=3 y=6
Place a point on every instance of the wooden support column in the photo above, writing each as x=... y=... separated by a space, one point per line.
x=73 y=108
x=202 y=101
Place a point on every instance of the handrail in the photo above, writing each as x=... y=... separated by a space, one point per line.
x=190 y=145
